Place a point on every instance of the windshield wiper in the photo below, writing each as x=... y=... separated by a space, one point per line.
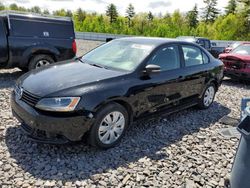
x=79 y=59
x=97 y=65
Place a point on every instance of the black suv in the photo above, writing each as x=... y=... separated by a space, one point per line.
x=29 y=41
x=104 y=91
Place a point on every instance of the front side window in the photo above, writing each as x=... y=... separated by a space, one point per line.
x=121 y=55
x=192 y=56
x=167 y=58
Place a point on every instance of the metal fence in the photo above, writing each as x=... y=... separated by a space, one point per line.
x=104 y=36
x=97 y=36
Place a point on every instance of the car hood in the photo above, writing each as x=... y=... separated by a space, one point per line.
x=229 y=56
x=62 y=76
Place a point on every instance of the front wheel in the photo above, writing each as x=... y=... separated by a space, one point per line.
x=208 y=97
x=109 y=127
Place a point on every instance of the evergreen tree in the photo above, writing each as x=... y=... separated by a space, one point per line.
x=150 y=16
x=69 y=13
x=60 y=12
x=130 y=13
x=46 y=11
x=210 y=12
x=192 y=17
x=112 y=13
x=2 y=7
x=231 y=7
x=81 y=15
x=246 y=5
x=35 y=9
x=13 y=6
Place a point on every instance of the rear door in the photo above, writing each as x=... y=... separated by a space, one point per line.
x=3 y=43
x=195 y=71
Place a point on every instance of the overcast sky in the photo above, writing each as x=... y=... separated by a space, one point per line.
x=155 y=6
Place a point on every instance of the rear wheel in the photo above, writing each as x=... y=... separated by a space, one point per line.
x=109 y=127
x=208 y=97
x=40 y=61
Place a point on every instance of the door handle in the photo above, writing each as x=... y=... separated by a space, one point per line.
x=181 y=77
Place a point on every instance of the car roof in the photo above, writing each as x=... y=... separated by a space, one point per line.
x=156 y=41
x=7 y=13
x=194 y=37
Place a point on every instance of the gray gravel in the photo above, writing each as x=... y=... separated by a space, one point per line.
x=171 y=151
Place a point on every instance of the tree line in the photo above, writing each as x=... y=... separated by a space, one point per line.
x=208 y=21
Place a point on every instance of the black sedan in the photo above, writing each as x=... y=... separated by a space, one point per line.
x=101 y=93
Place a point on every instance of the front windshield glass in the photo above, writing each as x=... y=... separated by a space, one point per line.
x=121 y=55
x=236 y=44
x=242 y=49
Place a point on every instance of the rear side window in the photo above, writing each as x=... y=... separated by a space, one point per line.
x=205 y=58
x=167 y=58
x=192 y=55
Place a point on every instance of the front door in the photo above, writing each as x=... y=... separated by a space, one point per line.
x=163 y=88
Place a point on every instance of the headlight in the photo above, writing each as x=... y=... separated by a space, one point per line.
x=60 y=104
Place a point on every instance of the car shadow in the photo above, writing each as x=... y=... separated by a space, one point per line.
x=236 y=83
x=145 y=138
x=8 y=78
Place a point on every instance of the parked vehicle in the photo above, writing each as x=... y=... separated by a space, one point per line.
x=232 y=46
x=109 y=87
x=205 y=43
x=31 y=41
x=237 y=62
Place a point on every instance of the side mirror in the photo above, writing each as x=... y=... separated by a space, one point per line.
x=152 y=69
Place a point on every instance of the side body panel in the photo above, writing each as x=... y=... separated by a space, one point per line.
x=4 y=54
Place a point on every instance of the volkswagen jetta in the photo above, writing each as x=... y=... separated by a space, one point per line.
x=101 y=93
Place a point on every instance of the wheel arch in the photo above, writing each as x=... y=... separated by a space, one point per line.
x=38 y=50
x=121 y=102
x=215 y=82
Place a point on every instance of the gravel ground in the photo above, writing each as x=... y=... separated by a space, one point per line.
x=171 y=151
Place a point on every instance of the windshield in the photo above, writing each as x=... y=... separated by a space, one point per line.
x=234 y=45
x=242 y=49
x=122 y=55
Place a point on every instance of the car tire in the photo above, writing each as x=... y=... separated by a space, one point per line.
x=207 y=97
x=39 y=61
x=109 y=127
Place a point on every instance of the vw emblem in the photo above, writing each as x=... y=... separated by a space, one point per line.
x=19 y=92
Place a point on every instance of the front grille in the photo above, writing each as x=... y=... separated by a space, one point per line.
x=29 y=98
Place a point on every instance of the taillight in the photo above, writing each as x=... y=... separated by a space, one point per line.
x=74 y=48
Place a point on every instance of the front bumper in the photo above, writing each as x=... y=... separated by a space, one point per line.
x=237 y=74
x=49 y=129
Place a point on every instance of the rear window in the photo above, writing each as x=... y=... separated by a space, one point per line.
x=45 y=28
